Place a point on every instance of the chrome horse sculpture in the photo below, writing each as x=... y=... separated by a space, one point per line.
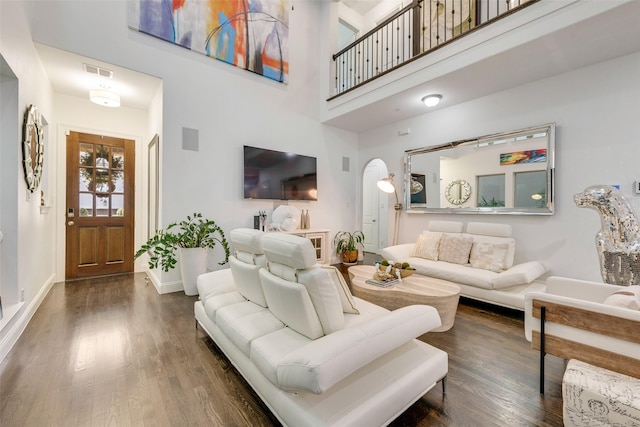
x=618 y=242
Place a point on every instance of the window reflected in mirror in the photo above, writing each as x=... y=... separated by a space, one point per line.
x=491 y=191
x=530 y=189
x=506 y=173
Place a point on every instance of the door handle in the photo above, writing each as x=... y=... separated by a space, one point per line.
x=70 y=223
x=373 y=220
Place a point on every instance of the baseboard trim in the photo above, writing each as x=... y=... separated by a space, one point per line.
x=163 y=288
x=22 y=318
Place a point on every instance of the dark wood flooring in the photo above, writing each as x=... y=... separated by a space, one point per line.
x=111 y=351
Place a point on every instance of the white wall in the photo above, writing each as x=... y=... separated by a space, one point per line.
x=229 y=107
x=28 y=234
x=81 y=115
x=596 y=113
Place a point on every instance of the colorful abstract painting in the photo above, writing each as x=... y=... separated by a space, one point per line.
x=530 y=156
x=251 y=34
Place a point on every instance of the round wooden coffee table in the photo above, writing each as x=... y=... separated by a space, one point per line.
x=415 y=289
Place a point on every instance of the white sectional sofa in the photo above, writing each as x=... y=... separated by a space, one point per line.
x=316 y=355
x=480 y=261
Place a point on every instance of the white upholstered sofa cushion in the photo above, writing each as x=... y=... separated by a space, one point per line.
x=324 y=296
x=288 y=249
x=494 y=234
x=291 y=304
x=445 y=226
x=324 y=362
x=246 y=263
x=244 y=322
x=291 y=263
x=487 y=274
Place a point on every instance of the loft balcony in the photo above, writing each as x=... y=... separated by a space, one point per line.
x=414 y=31
x=488 y=46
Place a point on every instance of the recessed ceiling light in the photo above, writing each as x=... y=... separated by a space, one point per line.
x=431 y=100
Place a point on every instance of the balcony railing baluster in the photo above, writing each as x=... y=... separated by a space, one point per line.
x=412 y=32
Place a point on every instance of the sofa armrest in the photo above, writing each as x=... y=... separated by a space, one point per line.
x=519 y=274
x=598 y=334
x=531 y=323
x=215 y=283
x=318 y=366
x=398 y=252
x=581 y=289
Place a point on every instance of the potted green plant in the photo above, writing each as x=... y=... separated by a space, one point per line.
x=346 y=245
x=191 y=237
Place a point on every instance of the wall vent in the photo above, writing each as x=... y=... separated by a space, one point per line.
x=93 y=69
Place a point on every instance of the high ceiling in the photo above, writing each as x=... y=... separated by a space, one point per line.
x=67 y=75
x=608 y=35
x=362 y=6
x=605 y=36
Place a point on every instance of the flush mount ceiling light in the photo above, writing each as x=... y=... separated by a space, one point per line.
x=431 y=100
x=104 y=98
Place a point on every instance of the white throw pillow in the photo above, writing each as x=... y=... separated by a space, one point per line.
x=455 y=249
x=625 y=298
x=427 y=245
x=489 y=256
x=346 y=298
x=324 y=296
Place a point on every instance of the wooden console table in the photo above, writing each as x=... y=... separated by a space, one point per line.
x=319 y=239
x=416 y=289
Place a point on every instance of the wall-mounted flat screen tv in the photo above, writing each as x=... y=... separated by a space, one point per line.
x=270 y=174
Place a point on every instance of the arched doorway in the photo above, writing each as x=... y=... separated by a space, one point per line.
x=374 y=207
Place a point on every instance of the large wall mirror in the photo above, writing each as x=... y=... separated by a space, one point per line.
x=505 y=173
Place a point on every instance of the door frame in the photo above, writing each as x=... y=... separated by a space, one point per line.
x=383 y=205
x=59 y=203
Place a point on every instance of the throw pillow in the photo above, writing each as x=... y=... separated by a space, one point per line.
x=627 y=298
x=489 y=256
x=325 y=298
x=455 y=249
x=427 y=245
x=346 y=298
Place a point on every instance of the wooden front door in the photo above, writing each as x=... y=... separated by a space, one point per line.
x=100 y=205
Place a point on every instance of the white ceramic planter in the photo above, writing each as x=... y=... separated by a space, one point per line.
x=193 y=262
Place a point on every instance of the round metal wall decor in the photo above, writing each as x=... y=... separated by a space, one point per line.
x=457 y=192
x=32 y=148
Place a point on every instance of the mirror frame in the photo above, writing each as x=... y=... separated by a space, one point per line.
x=32 y=148
x=549 y=209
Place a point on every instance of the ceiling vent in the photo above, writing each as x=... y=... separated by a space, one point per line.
x=102 y=72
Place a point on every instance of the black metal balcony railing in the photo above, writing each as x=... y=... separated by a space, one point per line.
x=414 y=31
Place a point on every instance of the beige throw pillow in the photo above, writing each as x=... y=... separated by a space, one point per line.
x=455 y=248
x=427 y=245
x=489 y=256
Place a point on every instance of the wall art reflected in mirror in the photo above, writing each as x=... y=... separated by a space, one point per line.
x=506 y=173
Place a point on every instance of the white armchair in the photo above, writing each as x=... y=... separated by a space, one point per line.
x=571 y=321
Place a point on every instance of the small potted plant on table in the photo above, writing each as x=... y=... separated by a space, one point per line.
x=192 y=237
x=346 y=245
